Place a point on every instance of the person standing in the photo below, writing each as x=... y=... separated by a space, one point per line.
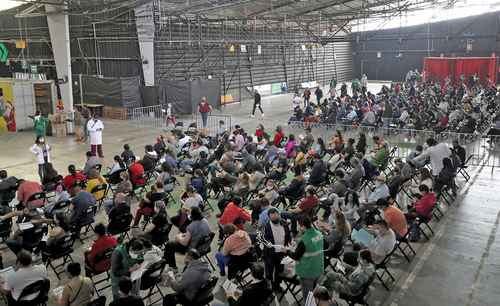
x=204 y=108
x=42 y=153
x=309 y=256
x=95 y=127
x=40 y=123
x=319 y=94
x=257 y=103
x=307 y=96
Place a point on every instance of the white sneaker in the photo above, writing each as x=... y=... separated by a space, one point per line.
x=262 y=115
x=252 y=116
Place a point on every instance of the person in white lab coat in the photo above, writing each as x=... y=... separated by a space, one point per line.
x=42 y=154
x=95 y=127
x=436 y=152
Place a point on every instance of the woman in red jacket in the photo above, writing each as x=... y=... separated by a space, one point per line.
x=235 y=214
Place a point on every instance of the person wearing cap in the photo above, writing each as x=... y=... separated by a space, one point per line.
x=304 y=208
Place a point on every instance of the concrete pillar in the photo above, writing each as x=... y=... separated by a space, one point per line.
x=144 y=20
x=59 y=37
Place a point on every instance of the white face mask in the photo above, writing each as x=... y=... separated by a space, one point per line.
x=134 y=255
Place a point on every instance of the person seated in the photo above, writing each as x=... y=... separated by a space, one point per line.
x=81 y=201
x=119 y=210
x=322 y=297
x=73 y=177
x=25 y=190
x=78 y=290
x=199 y=183
x=50 y=177
x=336 y=234
x=257 y=177
x=423 y=207
x=92 y=162
x=357 y=173
x=8 y=187
x=102 y=243
x=305 y=207
x=446 y=177
x=278 y=168
x=379 y=247
x=241 y=187
x=296 y=187
x=127 y=155
x=395 y=182
x=340 y=185
x=147 y=203
x=188 y=285
x=236 y=245
x=136 y=170
x=26 y=274
x=318 y=172
x=125 y=297
x=150 y=158
x=257 y=293
x=394 y=217
x=195 y=232
x=354 y=280
x=381 y=191
x=378 y=157
x=414 y=154
x=190 y=199
x=124 y=260
x=460 y=152
x=25 y=239
x=58 y=230
x=159 y=228
x=113 y=173
x=96 y=179
x=235 y=214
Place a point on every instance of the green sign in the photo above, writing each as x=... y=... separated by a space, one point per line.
x=34 y=69
x=4 y=53
x=275 y=88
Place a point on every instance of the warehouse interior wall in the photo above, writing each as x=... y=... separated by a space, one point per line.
x=389 y=54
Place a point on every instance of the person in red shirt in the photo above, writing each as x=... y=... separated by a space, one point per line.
x=424 y=206
x=259 y=132
x=305 y=208
x=103 y=243
x=26 y=190
x=136 y=171
x=278 y=136
x=73 y=177
x=234 y=214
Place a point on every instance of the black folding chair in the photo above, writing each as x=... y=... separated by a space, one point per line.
x=385 y=271
x=204 y=248
x=120 y=226
x=40 y=288
x=87 y=225
x=96 y=190
x=360 y=299
x=205 y=295
x=292 y=286
x=463 y=169
x=102 y=259
x=403 y=245
x=151 y=279
x=61 y=250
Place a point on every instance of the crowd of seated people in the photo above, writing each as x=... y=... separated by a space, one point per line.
x=430 y=105
x=304 y=200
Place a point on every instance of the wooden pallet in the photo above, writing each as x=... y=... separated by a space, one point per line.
x=119 y=113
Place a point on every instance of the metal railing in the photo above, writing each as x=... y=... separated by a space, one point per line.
x=155 y=117
x=485 y=150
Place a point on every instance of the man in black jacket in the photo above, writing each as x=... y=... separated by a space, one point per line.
x=277 y=233
x=256 y=103
x=258 y=293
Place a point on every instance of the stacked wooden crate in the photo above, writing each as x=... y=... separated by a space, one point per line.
x=112 y=112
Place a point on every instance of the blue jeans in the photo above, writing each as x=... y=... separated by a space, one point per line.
x=222 y=261
x=204 y=119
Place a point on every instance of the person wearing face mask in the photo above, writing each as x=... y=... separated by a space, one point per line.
x=381 y=191
x=353 y=281
x=276 y=231
x=95 y=127
x=309 y=256
x=124 y=260
x=42 y=154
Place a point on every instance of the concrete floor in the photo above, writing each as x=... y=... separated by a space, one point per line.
x=457 y=267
